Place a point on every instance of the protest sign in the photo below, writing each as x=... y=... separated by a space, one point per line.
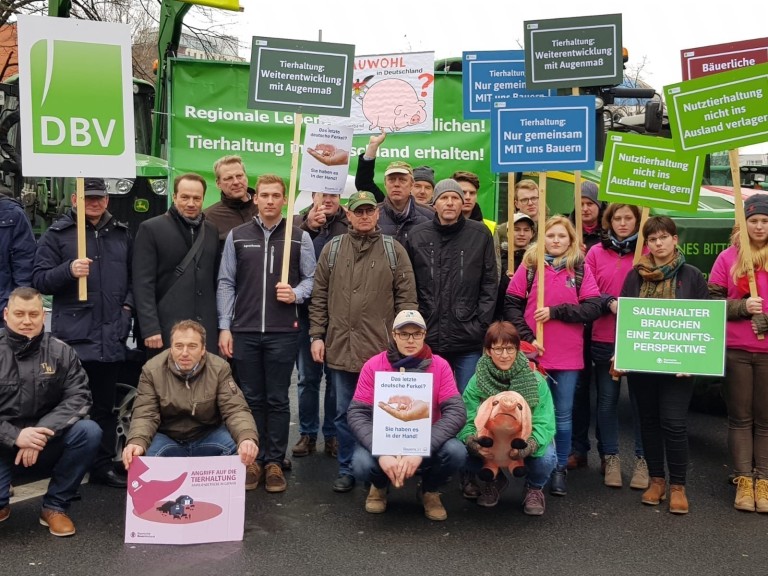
x=325 y=165
x=706 y=60
x=402 y=414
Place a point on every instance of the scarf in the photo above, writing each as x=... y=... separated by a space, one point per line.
x=191 y=222
x=549 y=259
x=519 y=378
x=659 y=281
x=418 y=362
x=621 y=247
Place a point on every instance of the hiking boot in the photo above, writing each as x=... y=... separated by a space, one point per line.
x=253 y=475
x=745 y=494
x=640 y=478
x=332 y=447
x=433 y=508
x=274 y=481
x=469 y=488
x=533 y=502
x=376 y=502
x=577 y=460
x=613 y=471
x=344 y=483
x=491 y=491
x=58 y=522
x=305 y=446
x=4 y=513
x=657 y=492
x=557 y=485
x=761 y=495
x=678 y=503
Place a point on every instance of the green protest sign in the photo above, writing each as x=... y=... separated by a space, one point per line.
x=569 y=52
x=671 y=336
x=721 y=111
x=648 y=171
x=301 y=76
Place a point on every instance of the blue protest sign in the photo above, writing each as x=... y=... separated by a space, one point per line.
x=550 y=133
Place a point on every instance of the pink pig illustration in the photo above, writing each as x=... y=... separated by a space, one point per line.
x=393 y=104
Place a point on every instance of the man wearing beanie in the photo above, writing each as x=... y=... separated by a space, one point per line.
x=591 y=215
x=456 y=280
x=423 y=184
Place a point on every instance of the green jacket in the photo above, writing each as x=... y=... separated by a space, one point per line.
x=543 y=416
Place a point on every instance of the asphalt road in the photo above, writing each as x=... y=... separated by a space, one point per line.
x=311 y=530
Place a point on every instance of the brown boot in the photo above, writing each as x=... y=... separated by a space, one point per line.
x=305 y=446
x=678 y=503
x=657 y=492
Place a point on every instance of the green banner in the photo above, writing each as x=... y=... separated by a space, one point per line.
x=210 y=118
x=648 y=171
x=671 y=336
x=721 y=111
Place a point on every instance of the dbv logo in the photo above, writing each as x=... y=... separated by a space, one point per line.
x=77 y=96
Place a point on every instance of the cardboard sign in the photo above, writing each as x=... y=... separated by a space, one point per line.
x=493 y=74
x=550 y=133
x=671 y=336
x=569 y=52
x=402 y=414
x=76 y=98
x=720 y=112
x=301 y=76
x=648 y=171
x=706 y=60
x=325 y=164
x=185 y=500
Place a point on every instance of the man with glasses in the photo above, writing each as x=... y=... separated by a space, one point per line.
x=363 y=279
x=527 y=198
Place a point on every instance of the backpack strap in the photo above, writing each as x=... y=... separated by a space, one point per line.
x=389 y=248
x=334 y=251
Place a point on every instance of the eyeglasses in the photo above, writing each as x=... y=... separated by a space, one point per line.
x=405 y=336
x=364 y=211
x=500 y=350
x=657 y=239
x=528 y=200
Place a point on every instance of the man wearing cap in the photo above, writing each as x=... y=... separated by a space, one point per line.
x=363 y=280
x=17 y=246
x=456 y=280
x=398 y=212
x=236 y=205
x=98 y=327
x=522 y=236
x=423 y=185
x=446 y=411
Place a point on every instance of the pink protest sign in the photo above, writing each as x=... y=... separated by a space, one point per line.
x=185 y=500
x=706 y=60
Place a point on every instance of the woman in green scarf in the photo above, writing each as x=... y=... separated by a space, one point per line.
x=503 y=367
x=663 y=399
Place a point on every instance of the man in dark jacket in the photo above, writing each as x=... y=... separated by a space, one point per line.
x=236 y=205
x=456 y=280
x=97 y=328
x=17 y=246
x=174 y=272
x=43 y=403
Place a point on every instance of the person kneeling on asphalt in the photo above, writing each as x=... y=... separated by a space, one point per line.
x=410 y=353
x=43 y=403
x=188 y=404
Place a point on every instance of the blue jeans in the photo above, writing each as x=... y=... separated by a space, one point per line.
x=463 y=365
x=67 y=457
x=562 y=384
x=539 y=467
x=608 y=392
x=217 y=443
x=310 y=377
x=435 y=470
x=344 y=383
x=264 y=363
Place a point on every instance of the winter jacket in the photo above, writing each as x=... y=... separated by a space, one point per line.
x=43 y=385
x=98 y=327
x=456 y=282
x=186 y=408
x=354 y=304
x=334 y=226
x=17 y=248
x=227 y=214
x=689 y=284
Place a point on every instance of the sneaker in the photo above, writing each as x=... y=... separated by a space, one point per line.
x=58 y=523
x=577 y=460
x=761 y=495
x=533 y=502
x=745 y=494
x=376 y=502
x=613 y=471
x=433 y=507
x=491 y=491
x=344 y=483
x=253 y=475
x=469 y=488
x=4 y=513
x=557 y=485
x=640 y=477
x=305 y=446
x=332 y=447
x=274 y=481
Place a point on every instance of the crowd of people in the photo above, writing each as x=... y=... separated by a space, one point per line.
x=412 y=278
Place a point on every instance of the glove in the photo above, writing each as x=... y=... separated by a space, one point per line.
x=473 y=446
x=523 y=452
x=760 y=323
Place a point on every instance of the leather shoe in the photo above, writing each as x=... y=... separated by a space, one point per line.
x=58 y=523
x=109 y=478
x=344 y=483
x=5 y=512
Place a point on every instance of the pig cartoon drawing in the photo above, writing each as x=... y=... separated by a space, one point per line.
x=393 y=104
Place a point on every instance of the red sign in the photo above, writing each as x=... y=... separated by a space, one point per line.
x=698 y=62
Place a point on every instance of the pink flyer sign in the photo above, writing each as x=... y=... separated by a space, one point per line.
x=185 y=500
